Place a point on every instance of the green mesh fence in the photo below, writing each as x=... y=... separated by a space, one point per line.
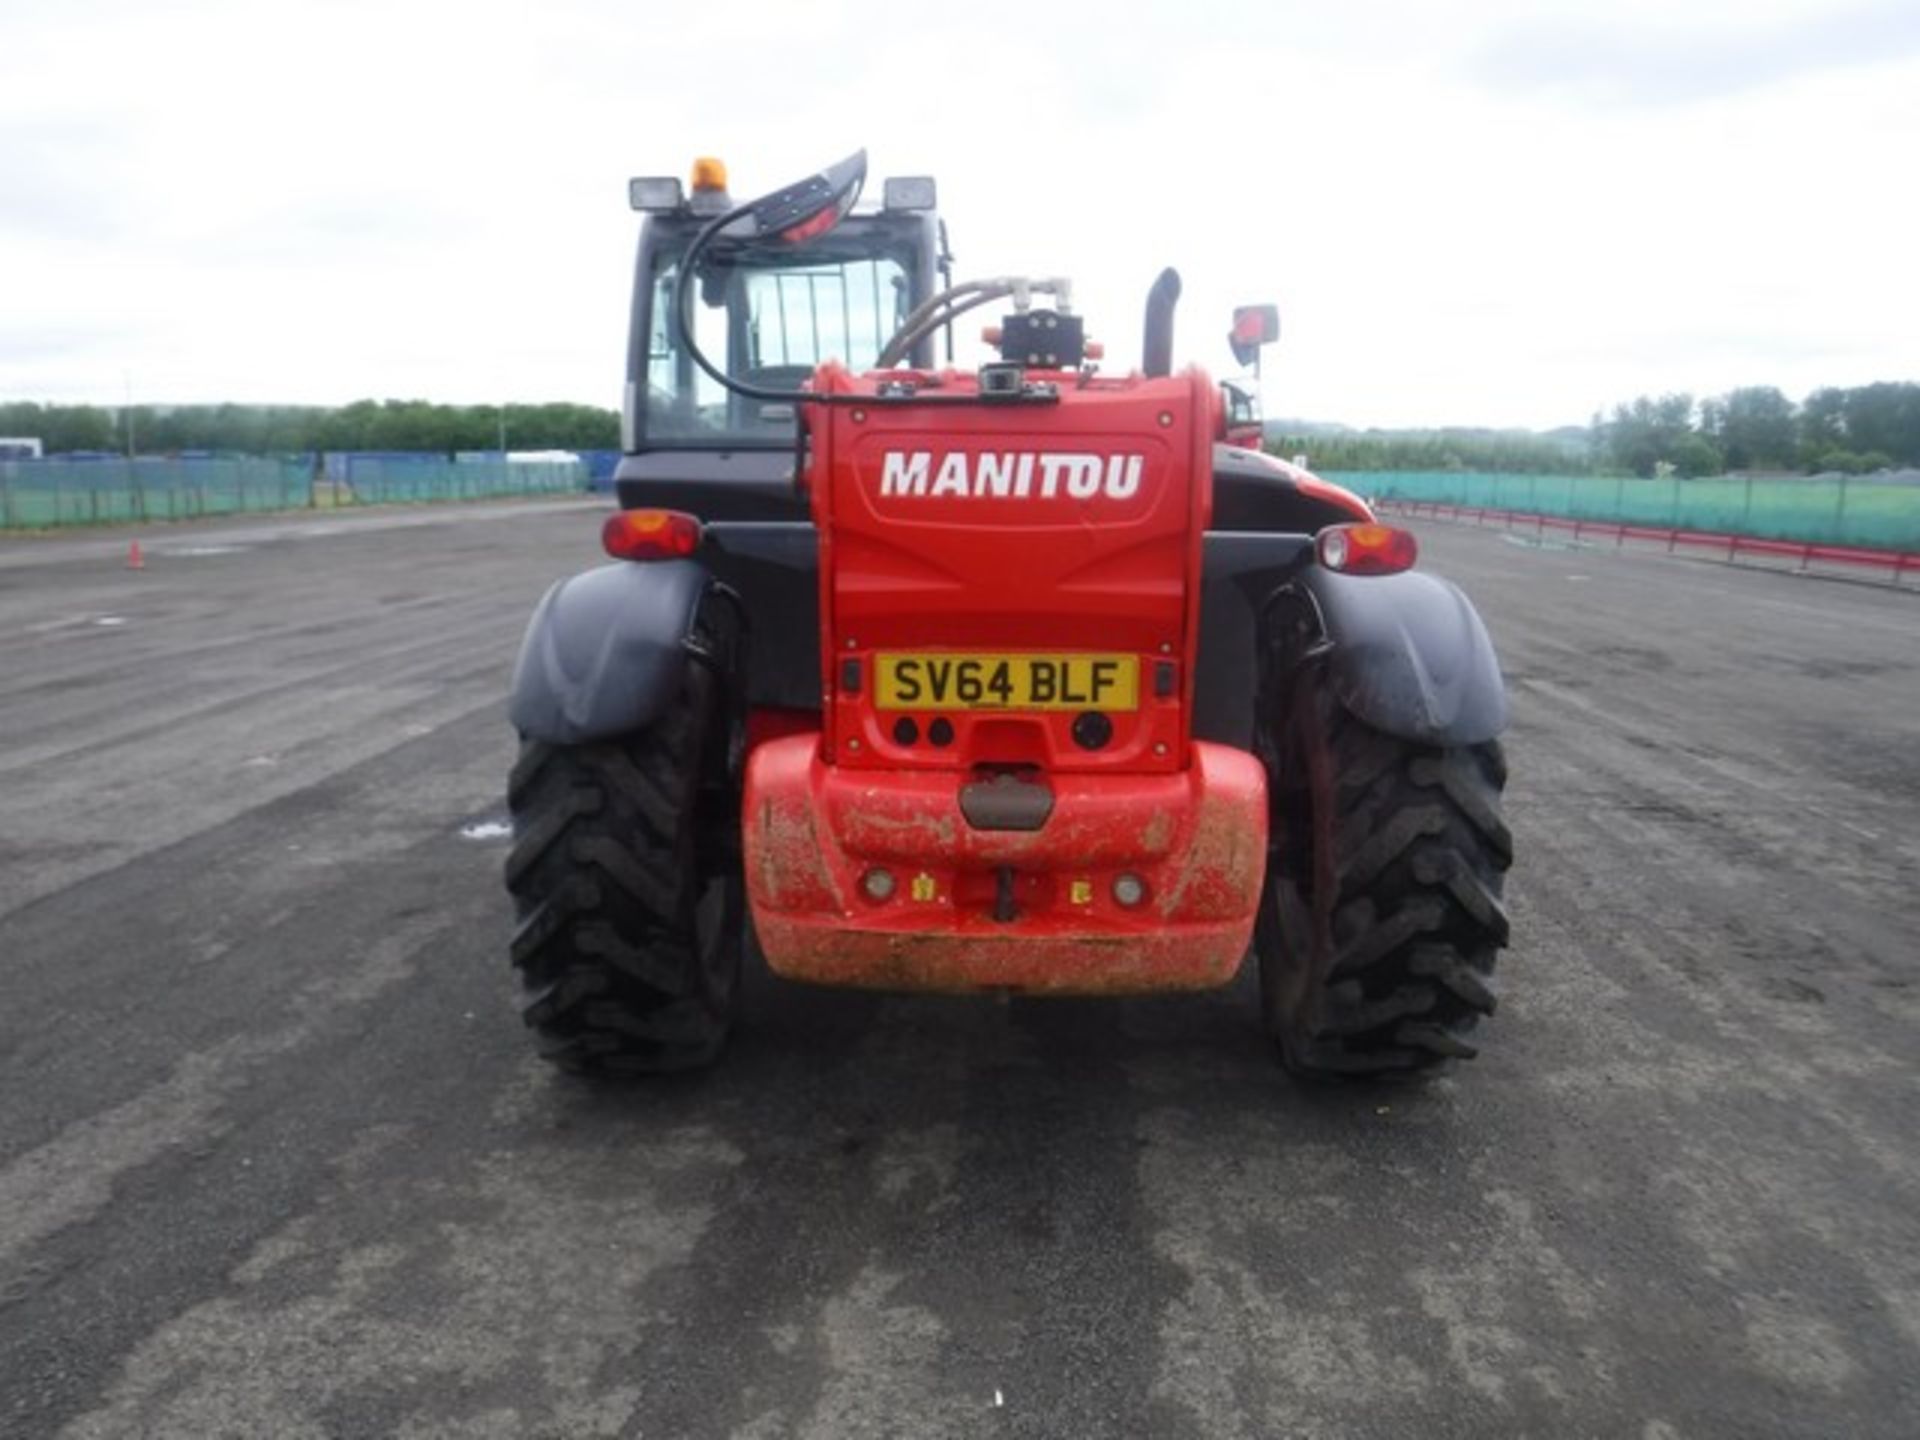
x=44 y=494
x=1842 y=511
x=379 y=481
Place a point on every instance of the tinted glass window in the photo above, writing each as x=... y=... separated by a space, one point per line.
x=770 y=324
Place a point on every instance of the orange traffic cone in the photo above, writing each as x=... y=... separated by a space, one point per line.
x=134 y=558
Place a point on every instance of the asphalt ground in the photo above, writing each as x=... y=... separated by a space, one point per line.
x=276 y=1157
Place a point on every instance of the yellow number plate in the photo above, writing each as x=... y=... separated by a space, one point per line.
x=1006 y=682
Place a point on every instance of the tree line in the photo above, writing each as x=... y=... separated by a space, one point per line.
x=416 y=425
x=1566 y=452
x=1853 y=431
x=1866 y=428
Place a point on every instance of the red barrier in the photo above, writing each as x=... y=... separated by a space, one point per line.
x=1808 y=553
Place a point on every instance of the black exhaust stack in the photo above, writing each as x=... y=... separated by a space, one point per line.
x=1157 y=350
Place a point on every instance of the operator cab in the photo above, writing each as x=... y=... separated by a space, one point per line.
x=767 y=310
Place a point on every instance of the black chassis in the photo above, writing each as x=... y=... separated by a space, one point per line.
x=1406 y=653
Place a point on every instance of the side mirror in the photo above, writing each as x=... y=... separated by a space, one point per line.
x=1253 y=327
x=1241 y=407
x=811 y=208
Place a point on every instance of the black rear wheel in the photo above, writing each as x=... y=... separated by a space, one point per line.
x=626 y=882
x=1382 y=913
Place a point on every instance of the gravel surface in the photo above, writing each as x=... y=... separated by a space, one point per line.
x=276 y=1157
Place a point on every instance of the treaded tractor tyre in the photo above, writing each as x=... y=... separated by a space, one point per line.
x=626 y=880
x=1382 y=913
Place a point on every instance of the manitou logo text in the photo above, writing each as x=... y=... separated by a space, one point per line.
x=1010 y=475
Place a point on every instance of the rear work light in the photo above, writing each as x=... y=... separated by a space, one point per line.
x=655 y=194
x=1367 y=549
x=908 y=192
x=650 y=535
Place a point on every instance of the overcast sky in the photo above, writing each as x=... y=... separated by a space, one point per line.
x=1474 y=213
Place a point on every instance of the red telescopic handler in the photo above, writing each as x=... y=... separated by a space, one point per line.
x=1015 y=677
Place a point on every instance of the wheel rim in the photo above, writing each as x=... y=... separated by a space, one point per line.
x=1300 y=865
x=717 y=941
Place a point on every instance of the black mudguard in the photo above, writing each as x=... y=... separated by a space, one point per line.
x=1409 y=656
x=606 y=650
x=1405 y=653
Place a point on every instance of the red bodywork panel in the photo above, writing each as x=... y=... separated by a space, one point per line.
x=1195 y=839
x=958 y=528
x=1040 y=535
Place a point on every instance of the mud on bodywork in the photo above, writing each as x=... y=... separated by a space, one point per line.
x=1195 y=841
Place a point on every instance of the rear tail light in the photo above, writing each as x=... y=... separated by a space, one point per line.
x=650 y=535
x=1367 y=549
